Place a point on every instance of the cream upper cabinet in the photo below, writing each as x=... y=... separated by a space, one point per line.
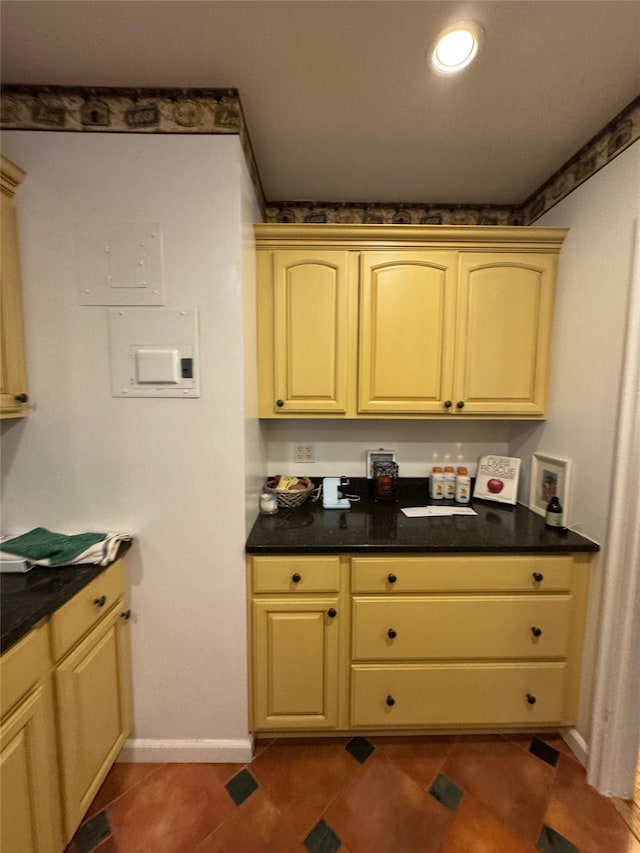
x=502 y=336
x=407 y=320
x=13 y=377
x=310 y=296
x=404 y=321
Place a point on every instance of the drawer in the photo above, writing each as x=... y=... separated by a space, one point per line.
x=457 y=695
x=22 y=666
x=493 y=573
x=460 y=627
x=78 y=616
x=296 y=574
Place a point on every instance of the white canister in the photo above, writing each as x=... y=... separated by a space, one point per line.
x=463 y=486
x=268 y=503
x=449 y=483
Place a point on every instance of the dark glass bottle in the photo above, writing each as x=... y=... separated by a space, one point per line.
x=554 y=515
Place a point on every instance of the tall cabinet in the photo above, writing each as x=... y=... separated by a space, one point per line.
x=13 y=374
x=405 y=321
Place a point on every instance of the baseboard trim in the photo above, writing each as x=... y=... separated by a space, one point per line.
x=577 y=744
x=140 y=751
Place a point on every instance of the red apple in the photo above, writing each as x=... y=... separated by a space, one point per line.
x=495 y=486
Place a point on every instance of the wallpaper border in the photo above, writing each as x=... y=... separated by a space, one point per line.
x=219 y=111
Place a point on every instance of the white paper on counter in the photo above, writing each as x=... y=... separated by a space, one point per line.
x=426 y=511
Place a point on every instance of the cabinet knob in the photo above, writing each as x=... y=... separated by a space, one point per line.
x=126 y=615
x=100 y=602
x=22 y=398
x=391 y=634
x=279 y=403
x=536 y=631
x=531 y=699
x=447 y=404
x=392 y=578
x=538 y=576
x=296 y=577
x=391 y=701
x=332 y=612
x=460 y=404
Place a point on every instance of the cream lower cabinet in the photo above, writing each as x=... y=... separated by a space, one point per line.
x=433 y=643
x=92 y=689
x=417 y=322
x=30 y=815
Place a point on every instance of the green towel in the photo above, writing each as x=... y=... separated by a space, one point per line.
x=58 y=548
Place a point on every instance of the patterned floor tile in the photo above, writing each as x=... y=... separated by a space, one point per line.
x=580 y=814
x=421 y=757
x=322 y=839
x=474 y=829
x=385 y=811
x=509 y=782
x=303 y=779
x=121 y=778
x=446 y=792
x=241 y=786
x=172 y=811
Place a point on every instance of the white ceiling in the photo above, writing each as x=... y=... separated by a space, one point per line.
x=338 y=96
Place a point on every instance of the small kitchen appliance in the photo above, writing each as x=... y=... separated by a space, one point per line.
x=331 y=498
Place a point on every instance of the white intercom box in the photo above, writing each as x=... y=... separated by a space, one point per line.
x=154 y=352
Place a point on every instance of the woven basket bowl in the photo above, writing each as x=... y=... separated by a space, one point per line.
x=295 y=497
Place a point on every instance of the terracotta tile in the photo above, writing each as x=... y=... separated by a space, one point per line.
x=474 y=829
x=257 y=826
x=121 y=778
x=172 y=811
x=387 y=812
x=421 y=757
x=303 y=779
x=261 y=743
x=508 y=781
x=581 y=814
x=224 y=772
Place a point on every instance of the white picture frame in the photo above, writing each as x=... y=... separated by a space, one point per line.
x=550 y=475
x=379 y=455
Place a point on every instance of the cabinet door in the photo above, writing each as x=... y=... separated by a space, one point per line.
x=295 y=664
x=94 y=712
x=12 y=356
x=312 y=313
x=29 y=816
x=504 y=326
x=407 y=304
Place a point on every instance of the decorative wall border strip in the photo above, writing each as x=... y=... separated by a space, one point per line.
x=219 y=111
x=124 y=110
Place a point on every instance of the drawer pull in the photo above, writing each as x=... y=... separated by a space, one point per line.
x=391 y=634
x=100 y=602
x=536 y=631
x=331 y=612
x=296 y=577
x=392 y=578
x=531 y=699
x=126 y=615
x=538 y=577
x=391 y=701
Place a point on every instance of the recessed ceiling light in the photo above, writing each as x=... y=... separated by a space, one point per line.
x=456 y=47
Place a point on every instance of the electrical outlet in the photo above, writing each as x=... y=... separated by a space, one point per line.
x=303 y=453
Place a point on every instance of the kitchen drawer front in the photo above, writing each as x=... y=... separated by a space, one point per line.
x=448 y=627
x=74 y=619
x=296 y=574
x=457 y=695
x=22 y=666
x=458 y=573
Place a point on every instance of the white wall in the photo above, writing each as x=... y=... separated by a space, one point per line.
x=588 y=339
x=170 y=471
x=341 y=446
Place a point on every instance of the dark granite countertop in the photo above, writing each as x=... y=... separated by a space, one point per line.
x=27 y=597
x=370 y=528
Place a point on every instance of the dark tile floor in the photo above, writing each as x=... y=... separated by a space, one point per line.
x=465 y=794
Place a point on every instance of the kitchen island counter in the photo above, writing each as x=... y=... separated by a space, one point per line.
x=370 y=528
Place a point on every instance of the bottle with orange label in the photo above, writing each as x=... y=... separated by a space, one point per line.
x=436 y=483
x=449 y=483
x=463 y=486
